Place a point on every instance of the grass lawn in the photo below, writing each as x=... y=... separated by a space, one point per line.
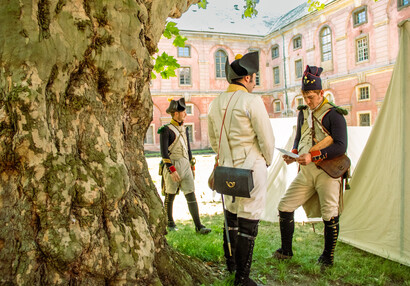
x=352 y=266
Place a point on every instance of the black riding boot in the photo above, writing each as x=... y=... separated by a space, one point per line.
x=193 y=209
x=168 y=204
x=232 y=221
x=287 y=227
x=331 y=233
x=248 y=230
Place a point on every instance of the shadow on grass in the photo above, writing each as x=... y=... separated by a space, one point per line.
x=352 y=266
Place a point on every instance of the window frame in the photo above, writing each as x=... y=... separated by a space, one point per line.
x=301 y=66
x=192 y=124
x=361 y=37
x=277 y=101
x=179 y=76
x=297 y=37
x=297 y=98
x=192 y=109
x=321 y=37
x=355 y=14
x=152 y=126
x=184 y=56
x=364 y=112
x=358 y=92
x=275 y=47
x=222 y=71
x=274 y=75
x=401 y=5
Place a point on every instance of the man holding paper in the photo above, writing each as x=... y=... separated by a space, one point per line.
x=321 y=135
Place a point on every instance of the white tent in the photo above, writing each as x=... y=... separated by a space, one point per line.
x=281 y=175
x=376 y=217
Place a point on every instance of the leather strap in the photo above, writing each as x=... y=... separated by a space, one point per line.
x=222 y=127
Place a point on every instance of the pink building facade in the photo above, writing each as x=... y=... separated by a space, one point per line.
x=356 y=42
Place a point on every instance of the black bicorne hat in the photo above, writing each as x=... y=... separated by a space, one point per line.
x=242 y=66
x=311 y=78
x=176 y=105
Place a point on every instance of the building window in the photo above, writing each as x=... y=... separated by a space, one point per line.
x=299 y=101
x=298 y=68
x=258 y=81
x=184 y=52
x=363 y=93
x=276 y=79
x=278 y=106
x=364 y=119
x=185 y=76
x=362 y=49
x=190 y=128
x=403 y=3
x=189 y=109
x=220 y=60
x=275 y=52
x=149 y=136
x=360 y=16
x=326 y=44
x=297 y=42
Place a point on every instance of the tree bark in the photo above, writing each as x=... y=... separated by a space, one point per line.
x=77 y=204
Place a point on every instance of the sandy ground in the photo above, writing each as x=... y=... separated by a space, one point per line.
x=209 y=202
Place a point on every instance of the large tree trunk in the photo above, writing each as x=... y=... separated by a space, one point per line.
x=77 y=204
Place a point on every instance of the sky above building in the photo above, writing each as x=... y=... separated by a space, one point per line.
x=226 y=16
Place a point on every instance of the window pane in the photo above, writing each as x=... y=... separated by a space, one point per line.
x=276 y=75
x=275 y=52
x=360 y=16
x=277 y=106
x=299 y=101
x=364 y=119
x=297 y=43
x=220 y=60
x=326 y=44
x=190 y=133
x=184 y=51
x=364 y=93
x=362 y=50
x=188 y=109
x=185 y=76
x=298 y=68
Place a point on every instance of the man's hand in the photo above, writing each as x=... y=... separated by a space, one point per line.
x=175 y=177
x=288 y=160
x=304 y=159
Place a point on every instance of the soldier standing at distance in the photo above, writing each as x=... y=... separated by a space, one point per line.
x=177 y=173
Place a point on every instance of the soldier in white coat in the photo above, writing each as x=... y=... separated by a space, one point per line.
x=248 y=144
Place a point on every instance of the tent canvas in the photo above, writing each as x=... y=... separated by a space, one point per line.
x=376 y=217
x=280 y=175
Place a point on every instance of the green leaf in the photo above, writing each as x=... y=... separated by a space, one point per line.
x=315 y=5
x=202 y=4
x=179 y=41
x=165 y=65
x=171 y=29
x=250 y=9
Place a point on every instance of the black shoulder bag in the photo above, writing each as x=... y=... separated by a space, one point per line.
x=230 y=181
